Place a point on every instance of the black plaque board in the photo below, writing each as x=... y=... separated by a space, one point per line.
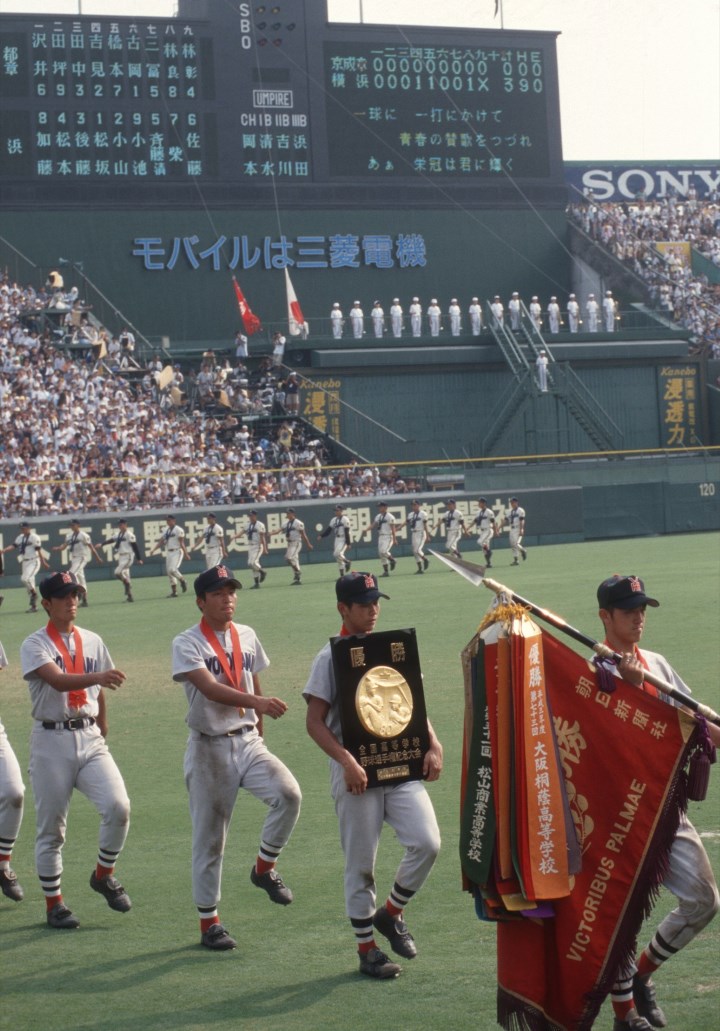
x=382 y=705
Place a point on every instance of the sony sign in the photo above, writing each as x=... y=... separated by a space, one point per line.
x=616 y=182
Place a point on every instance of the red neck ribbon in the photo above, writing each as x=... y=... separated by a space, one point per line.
x=234 y=675
x=76 y=664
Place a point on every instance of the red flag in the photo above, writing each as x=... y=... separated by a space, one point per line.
x=555 y=973
x=297 y=324
x=250 y=321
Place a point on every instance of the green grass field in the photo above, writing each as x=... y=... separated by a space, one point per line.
x=295 y=969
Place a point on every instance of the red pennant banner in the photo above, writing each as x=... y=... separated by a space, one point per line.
x=250 y=321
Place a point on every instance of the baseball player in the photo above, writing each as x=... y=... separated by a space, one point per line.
x=212 y=542
x=486 y=529
x=419 y=536
x=454 y=527
x=80 y=548
x=294 y=530
x=125 y=550
x=66 y=668
x=361 y=812
x=622 y=608
x=384 y=524
x=256 y=534
x=516 y=521
x=173 y=539
x=339 y=528
x=12 y=796
x=30 y=557
x=219 y=664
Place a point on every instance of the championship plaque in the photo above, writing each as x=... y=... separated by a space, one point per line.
x=382 y=706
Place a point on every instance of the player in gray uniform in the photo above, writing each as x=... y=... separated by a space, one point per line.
x=125 y=550
x=219 y=664
x=361 y=811
x=80 y=549
x=256 y=534
x=66 y=668
x=419 y=536
x=516 y=521
x=339 y=527
x=12 y=795
x=484 y=522
x=173 y=539
x=294 y=531
x=212 y=542
x=454 y=527
x=622 y=608
x=30 y=557
x=384 y=525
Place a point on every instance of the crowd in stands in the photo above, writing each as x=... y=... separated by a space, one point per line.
x=630 y=230
x=79 y=433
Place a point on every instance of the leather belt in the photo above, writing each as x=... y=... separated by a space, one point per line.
x=79 y=723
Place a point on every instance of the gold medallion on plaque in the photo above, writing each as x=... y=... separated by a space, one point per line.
x=384 y=702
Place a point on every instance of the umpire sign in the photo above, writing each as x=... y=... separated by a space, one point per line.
x=382 y=706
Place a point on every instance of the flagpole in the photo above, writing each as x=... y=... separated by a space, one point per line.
x=603 y=651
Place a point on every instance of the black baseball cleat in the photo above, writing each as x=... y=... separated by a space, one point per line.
x=272 y=883
x=376 y=964
x=426 y=561
x=634 y=1023
x=645 y=1000
x=183 y=586
x=396 y=932
x=217 y=938
x=514 y=562
x=393 y=563
x=9 y=885
x=113 y=892
x=61 y=918
x=84 y=602
x=172 y=594
x=524 y=554
x=255 y=586
x=263 y=574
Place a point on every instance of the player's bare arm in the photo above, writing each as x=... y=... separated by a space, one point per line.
x=433 y=759
x=51 y=673
x=101 y=718
x=355 y=776
x=206 y=683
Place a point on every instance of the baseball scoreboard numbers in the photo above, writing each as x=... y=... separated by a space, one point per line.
x=440 y=111
x=248 y=95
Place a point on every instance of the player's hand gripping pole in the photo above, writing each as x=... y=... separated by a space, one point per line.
x=603 y=651
x=476 y=576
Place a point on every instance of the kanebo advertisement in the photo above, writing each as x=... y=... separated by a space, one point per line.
x=628 y=181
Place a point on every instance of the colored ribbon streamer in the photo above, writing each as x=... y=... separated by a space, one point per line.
x=73 y=664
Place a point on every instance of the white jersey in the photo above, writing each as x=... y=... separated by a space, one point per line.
x=173 y=538
x=192 y=651
x=254 y=533
x=27 y=545
x=340 y=527
x=484 y=521
x=47 y=703
x=78 y=544
x=213 y=537
x=123 y=542
x=383 y=523
x=417 y=521
x=293 y=529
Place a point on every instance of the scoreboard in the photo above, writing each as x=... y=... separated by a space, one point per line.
x=240 y=99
